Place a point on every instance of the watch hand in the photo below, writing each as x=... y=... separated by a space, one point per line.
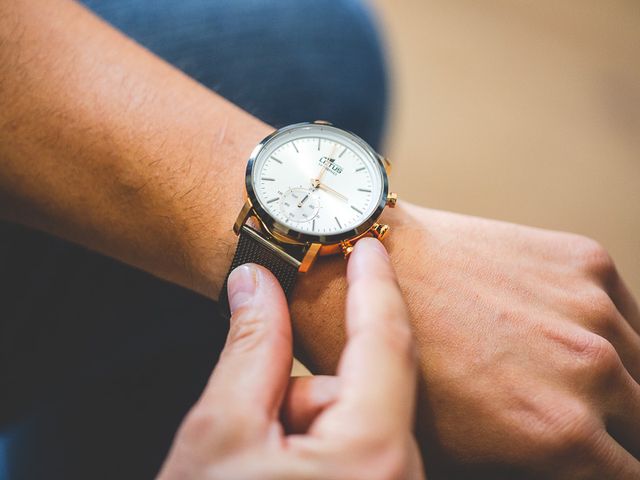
x=322 y=186
x=303 y=200
x=325 y=165
x=324 y=169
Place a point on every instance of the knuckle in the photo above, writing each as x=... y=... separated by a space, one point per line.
x=247 y=330
x=566 y=428
x=229 y=427
x=576 y=436
x=593 y=257
x=392 y=464
x=380 y=459
x=597 y=307
x=600 y=304
x=199 y=424
x=588 y=358
x=599 y=356
x=577 y=432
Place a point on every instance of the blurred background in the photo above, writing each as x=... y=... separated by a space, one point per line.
x=525 y=111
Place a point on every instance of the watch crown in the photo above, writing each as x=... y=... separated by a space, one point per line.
x=379 y=230
x=392 y=199
x=387 y=164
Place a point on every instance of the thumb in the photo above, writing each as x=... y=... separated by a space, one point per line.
x=253 y=371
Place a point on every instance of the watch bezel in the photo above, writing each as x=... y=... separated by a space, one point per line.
x=276 y=227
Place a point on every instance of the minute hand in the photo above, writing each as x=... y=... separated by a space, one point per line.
x=322 y=186
x=326 y=164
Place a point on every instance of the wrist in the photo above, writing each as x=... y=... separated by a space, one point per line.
x=318 y=302
x=209 y=245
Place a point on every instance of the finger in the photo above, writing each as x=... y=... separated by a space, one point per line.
x=377 y=369
x=627 y=343
x=253 y=371
x=604 y=319
x=608 y=460
x=305 y=399
x=626 y=303
x=623 y=420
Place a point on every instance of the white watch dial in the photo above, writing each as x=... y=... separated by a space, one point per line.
x=317 y=180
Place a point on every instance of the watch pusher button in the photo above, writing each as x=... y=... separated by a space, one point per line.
x=392 y=199
x=380 y=230
x=346 y=248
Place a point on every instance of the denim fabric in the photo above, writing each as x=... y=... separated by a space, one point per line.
x=99 y=362
x=285 y=61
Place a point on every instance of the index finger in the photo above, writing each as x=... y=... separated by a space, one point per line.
x=378 y=367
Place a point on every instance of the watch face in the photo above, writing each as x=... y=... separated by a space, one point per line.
x=317 y=182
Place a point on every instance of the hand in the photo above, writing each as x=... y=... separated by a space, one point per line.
x=528 y=346
x=353 y=426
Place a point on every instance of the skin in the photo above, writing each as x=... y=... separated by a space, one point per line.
x=327 y=430
x=527 y=340
x=528 y=345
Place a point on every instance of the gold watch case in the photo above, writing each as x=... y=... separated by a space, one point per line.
x=305 y=246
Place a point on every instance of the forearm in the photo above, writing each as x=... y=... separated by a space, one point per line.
x=104 y=144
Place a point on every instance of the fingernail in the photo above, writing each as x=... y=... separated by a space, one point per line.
x=375 y=245
x=241 y=286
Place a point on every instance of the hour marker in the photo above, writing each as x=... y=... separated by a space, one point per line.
x=294 y=146
x=273 y=200
x=277 y=160
x=343 y=152
x=313 y=224
x=267 y=179
x=354 y=208
x=357 y=169
x=360 y=189
x=338 y=222
x=319 y=140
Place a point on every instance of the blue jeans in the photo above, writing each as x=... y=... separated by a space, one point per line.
x=99 y=362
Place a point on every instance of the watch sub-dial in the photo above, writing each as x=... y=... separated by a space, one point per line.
x=300 y=204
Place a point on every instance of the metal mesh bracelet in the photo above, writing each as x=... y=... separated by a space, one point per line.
x=254 y=248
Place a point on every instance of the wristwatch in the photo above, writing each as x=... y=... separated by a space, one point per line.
x=311 y=189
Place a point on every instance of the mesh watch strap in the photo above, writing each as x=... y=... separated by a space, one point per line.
x=254 y=248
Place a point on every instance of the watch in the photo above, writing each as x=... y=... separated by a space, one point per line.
x=311 y=189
